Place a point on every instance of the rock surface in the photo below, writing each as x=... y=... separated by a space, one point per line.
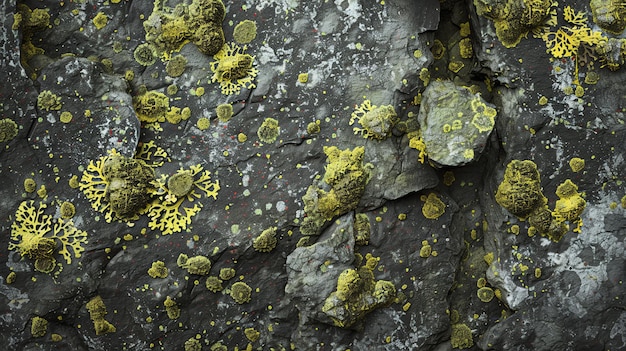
x=466 y=272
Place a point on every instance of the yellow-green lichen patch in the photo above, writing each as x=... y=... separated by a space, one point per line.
x=30 y=185
x=97 y=312
x=167 y=212
x=433 y=207
x=426 y=250
x=303 y=78
x=244 y=32
x=180 y=183
x=176 y=66
x=8 y=130
x=609 y=15
x=577 y=164
x=513 y=19
x=158 y=270
x=416 y=141
x=376 y=121
x=203 y=123
x=38 y=327
x=465 y=48
x=66 y=117
x=484 y=116
x=152 y=106
x=47 y=100
x=227 y=273
x=266 y=241
x=11 y=278
x=362 y=229
x=240 y=292
x=192 y=344
x=570 y=204
x=199 y=265
x=268 y=131
x=461 y=337
x=357 y=294
x=252 y=334
x=232 y=69
x=172 y=309
x=347 y=176
x=485 y=294
x=214 y=284
x=67 y=210
x=36 y=235
x=623 y=201
x=520 y=191
x=313 y=127
x=224 y=112
x=100 y=20
x=145 y=54
x=117 y=186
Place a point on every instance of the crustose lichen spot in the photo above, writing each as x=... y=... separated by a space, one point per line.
x=268 y=131
x=433 y=207
x=240 y=292
x=233 y=69
x=8 y=130
x=266 y=241
x=376 y=121
x=224 y=112
x=245 y=32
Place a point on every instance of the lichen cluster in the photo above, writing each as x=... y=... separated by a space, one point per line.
x=37 y=235
x=169 y=29
x=520 y=193
x=346 y=175
x=266 y=241
x=97 y=312
x=8 y=130
x=232 y=69
x=123 y=188
x=376 y=121
x=357 y=294
x=199 y=265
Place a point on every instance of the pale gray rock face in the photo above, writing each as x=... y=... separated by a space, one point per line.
x=433 y=62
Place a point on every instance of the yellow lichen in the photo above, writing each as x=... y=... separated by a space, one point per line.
x=203 y=123
x=268 y=131
x=244 y=32
x=417 y=142
x=100 y=20
x=8 y=129
x=97 y=311
x=214 y=284
x=570 y=204
x=433 y=207
x=376 y=121
x=576 y=164
x=170 y=213
x=303 y=78
x=172 y=309
x=484 y=116
x=252 y=334
x=233 y=69
x=485 y=294
x=158 y=270
x=30 y=185
x=67 y=209
x=47 y=100
x=199 y=265
x=240 y=292
x=461 y=337
x=224 y=112
x=266 y=241
x=38 y=327
x=227 y=273
x=152 y=106
x=36 y=235
x=520 y=191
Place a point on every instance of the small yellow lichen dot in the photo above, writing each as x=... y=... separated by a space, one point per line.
x=66 y=117
x=224 y=112
x=580 y=91
x=402 y=216
x=42 y=192
x=68 y=210
x=199 y=91
x=203 y=123
x=543 y=101
x=303 y=78
x=242 y=138
x=100 y=21
x=11 y=278
x=30 y=185
x=576 y=164
x=537 y=272
x=74 y=183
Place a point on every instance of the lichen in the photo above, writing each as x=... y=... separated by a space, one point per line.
x=576 y=164
x=362 y=229
x=570 y=204
x=176 y=66
x=240 y=292
x=30 y=185
x=485 y=294
x=8 y=130
x=152 y=106
x=244 y=32
x=416 y=142
x=118 y=186
x=171 y=308
x=203 y=123
x=433 y=207
x=232 y=69
x=484 y=116
x=192 y=344
x=214 y=284
x=199 y=265
x=609 y=15
x=268 y=131
x=376 y=121
x=170 y=213
x=158 y=270
x=227 y=273
x=426 y=250
x=38 y=327
x=145 y=54
x=266 y=241
x=347 y=176
x=461 y=337
x=67 y=210
x=97 y=312
x=520 y=191
x=224 y=112
x=357 y=294
x=100 y=20
x=47 y=100
x=36 y=235
x=252 y=334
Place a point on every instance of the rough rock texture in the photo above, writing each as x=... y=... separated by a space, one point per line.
x=74 y=90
